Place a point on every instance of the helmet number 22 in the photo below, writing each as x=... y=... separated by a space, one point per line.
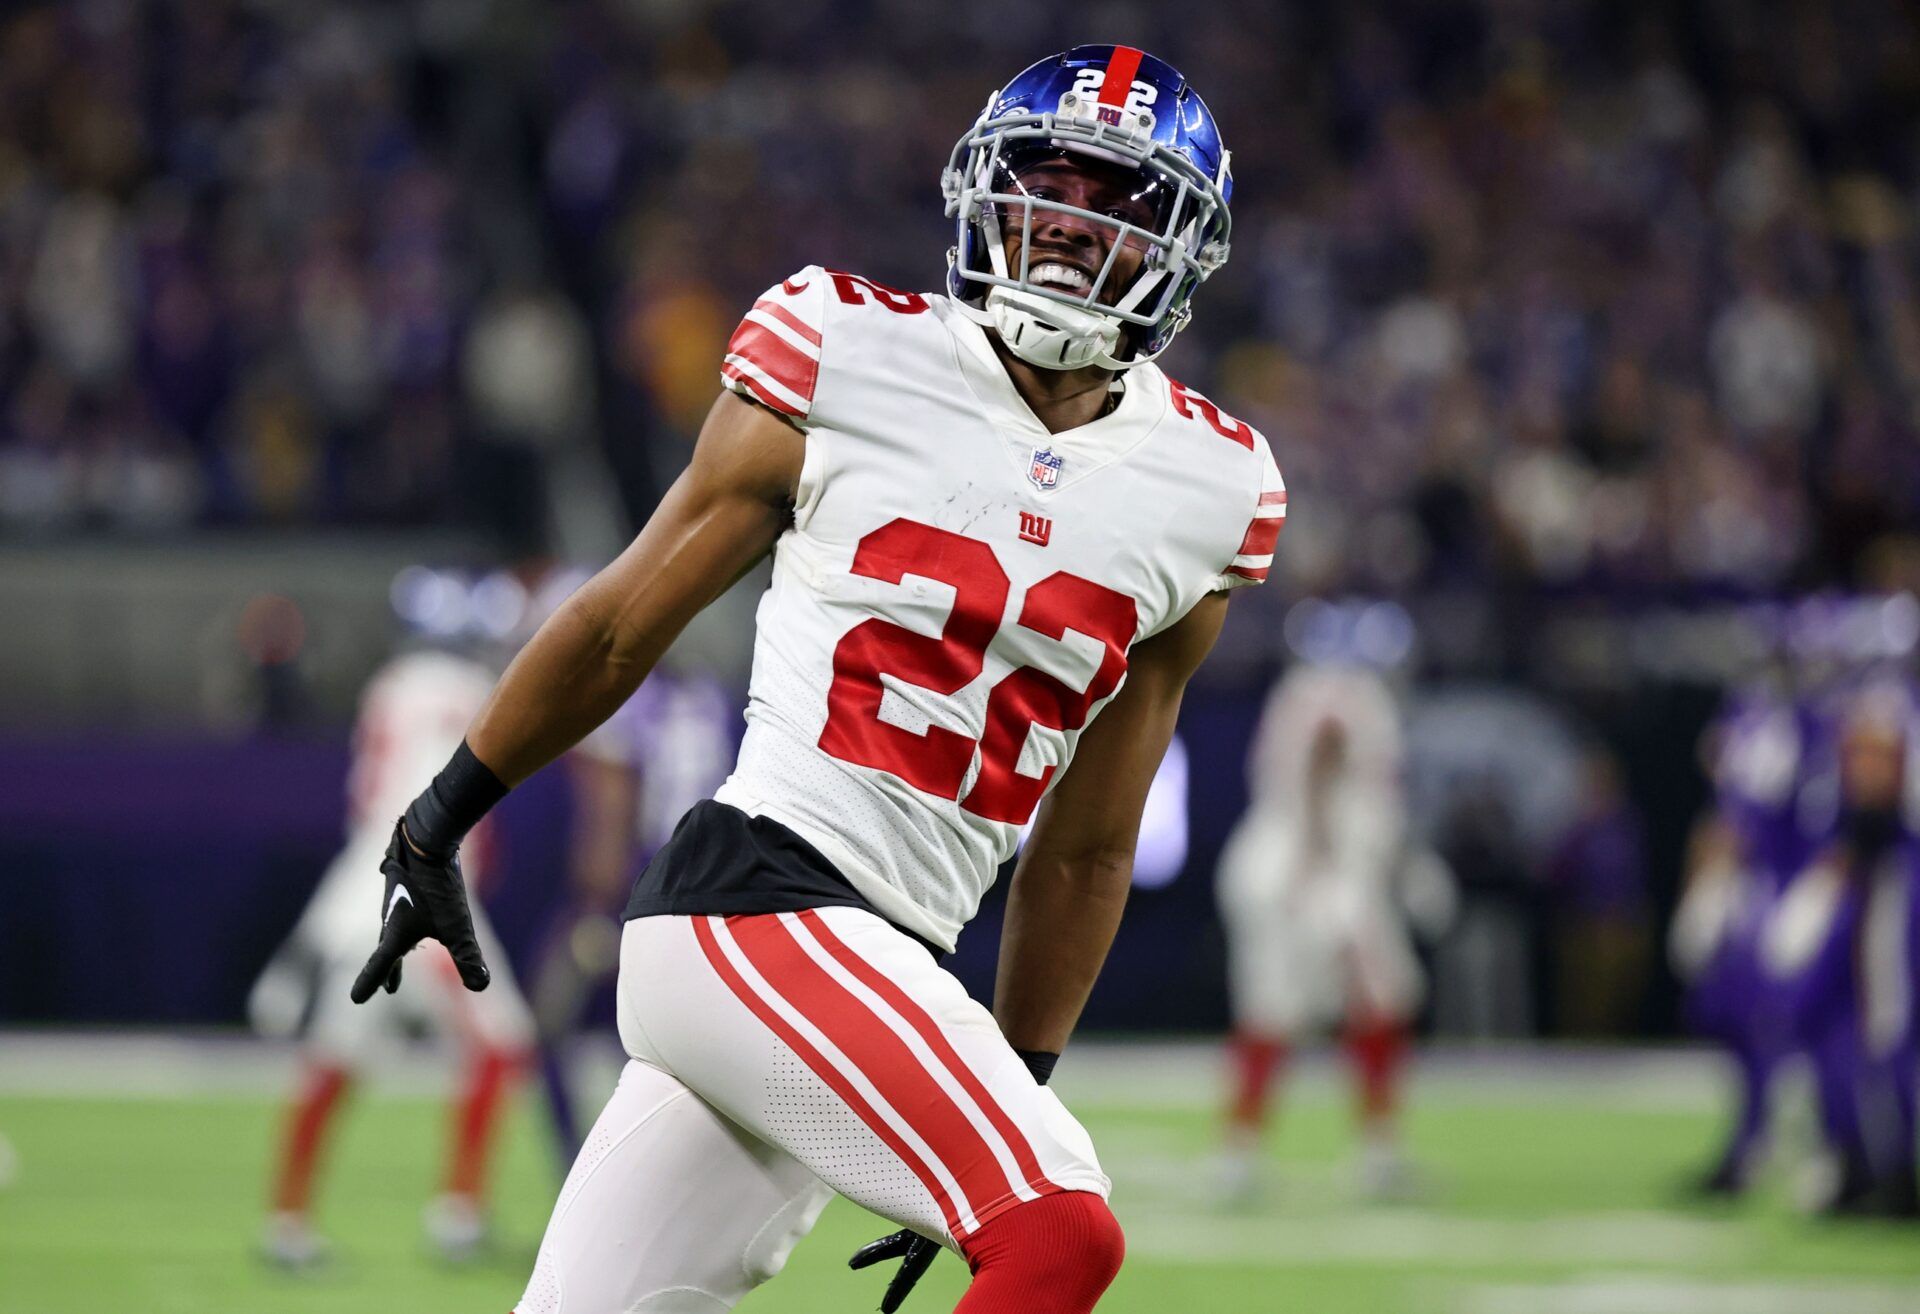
x=1089 y=81
x=937 y=761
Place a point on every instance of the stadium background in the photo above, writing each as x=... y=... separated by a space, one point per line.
x=1584 y=333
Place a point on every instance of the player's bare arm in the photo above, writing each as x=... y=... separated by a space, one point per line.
x=720 y=517
x=1070 y=886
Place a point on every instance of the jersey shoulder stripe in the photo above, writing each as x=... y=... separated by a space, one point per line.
x=1255 y=557
x=773 y=356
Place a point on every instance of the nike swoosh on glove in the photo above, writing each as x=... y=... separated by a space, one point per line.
x=425 y=898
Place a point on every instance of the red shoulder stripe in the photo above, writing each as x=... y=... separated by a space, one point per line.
x=759 y=390
x=791 y=320
x=1262 y=534
x=775 y=357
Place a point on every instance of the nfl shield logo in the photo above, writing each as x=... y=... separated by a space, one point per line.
x=1045 y=470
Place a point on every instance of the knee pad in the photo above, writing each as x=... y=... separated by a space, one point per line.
x=1068 y=1244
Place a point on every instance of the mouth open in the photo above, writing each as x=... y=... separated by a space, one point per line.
x=1050 y=272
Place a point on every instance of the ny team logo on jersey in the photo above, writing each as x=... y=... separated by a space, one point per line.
x=1035 y=529
x=1045 y=470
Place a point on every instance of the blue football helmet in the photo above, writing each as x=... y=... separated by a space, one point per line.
x=1123 y=108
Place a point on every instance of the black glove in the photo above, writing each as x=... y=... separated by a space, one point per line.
x=916 y=1252
x=913 y=1251
x=425 y=897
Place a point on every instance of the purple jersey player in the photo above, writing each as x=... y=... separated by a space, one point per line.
x=1765 y=754
x=1840 y=951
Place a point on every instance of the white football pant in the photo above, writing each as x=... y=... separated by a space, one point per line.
x=778 y=1058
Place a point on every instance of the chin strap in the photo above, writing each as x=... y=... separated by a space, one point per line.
x=1050 y=336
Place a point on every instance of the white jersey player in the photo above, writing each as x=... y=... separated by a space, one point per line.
x=1316 y=932
x=1002 y=542
x=411 y=716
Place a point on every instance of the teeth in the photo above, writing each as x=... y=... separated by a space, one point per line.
x=1051 y=273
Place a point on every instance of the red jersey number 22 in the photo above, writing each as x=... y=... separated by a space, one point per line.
x=937 y=761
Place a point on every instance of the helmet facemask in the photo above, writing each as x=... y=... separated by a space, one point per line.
x=1175 y=221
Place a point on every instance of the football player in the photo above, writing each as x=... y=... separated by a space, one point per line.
x=1764 y=757
x=411 y=715
x=1002 y=541
x=1310 y=888
x=1841 y=947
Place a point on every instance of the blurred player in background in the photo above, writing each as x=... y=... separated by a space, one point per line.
x=411 y=717
x=1841 y=949
x=667 y=748
x=1313 y=888
x=1764 y=755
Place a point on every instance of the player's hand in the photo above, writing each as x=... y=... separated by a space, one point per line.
x=913 y=1251
x=425 y=897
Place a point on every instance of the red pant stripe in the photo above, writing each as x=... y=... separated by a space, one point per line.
x=881 y=1056
x=703 y=930
x=902 y=1003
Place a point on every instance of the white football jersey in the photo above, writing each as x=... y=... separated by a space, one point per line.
x=412 y=716
x=960 y=588
x=1350 y=832
x=413 y=713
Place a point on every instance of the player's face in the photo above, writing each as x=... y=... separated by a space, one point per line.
x=1068 y=250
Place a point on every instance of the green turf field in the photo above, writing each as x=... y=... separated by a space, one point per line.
x=1540 y=1205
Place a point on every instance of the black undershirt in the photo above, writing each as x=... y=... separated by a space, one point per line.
x=722 y=861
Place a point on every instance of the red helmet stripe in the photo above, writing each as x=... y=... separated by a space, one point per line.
x=1120 y=70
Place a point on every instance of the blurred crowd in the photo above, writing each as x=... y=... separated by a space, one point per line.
x=1532 y=297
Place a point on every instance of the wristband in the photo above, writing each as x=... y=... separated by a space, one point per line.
x=453 y=804
x=1039 y=1062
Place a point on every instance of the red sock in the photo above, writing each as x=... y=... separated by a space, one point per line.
x=1379 y=1051
x=488 y=1077
x=320 y=1090
x=1255 y=1060
x=1054 y=1255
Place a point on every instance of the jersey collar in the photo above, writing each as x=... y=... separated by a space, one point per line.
x=1088 y=447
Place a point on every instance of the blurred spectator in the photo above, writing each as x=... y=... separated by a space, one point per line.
x=1483 y=986
x=1602 y=930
